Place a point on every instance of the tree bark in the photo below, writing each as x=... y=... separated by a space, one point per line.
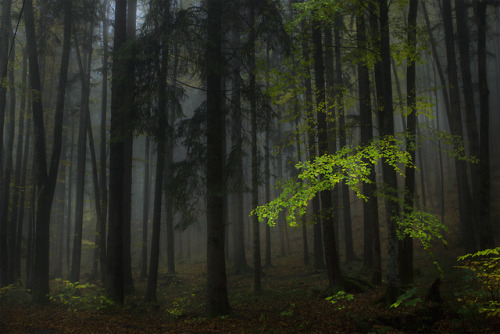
x=406 y=244
x=217 y=300
x=486 y=239
x=331 y=256
x=114 y=283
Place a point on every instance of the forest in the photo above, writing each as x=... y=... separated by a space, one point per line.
x=249 y=166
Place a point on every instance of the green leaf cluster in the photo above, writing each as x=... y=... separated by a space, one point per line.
x=407 y=299
x=77 y=296
x=484 y=270
x=340 y=297
x=351 y=165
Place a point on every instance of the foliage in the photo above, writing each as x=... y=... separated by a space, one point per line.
x=407 y=299
x=338 y=297
x=288 y=312
x=483 y=268
x=77 y=296
x=349 y=165
x=14 y=293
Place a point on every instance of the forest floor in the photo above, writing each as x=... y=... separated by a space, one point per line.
x=292 y=301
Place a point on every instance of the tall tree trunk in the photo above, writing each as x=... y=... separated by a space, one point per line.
x=467 y=219
x=486 y=239
x=81 y=155
x=103 y=184
x=331 y=256
x=471 y=124
x=349 y=243
x=406 y=245
x=240 y=263
x=145 y=213
x=257 y=285
x=4 y=60
x=45 y=180
x=114 y=283
x=160 y=169
x=319 y=257
x=371 y=250
x=19 y=176
x=7 y=189
x=217 y=300
x=386 y=119
x=128 y=145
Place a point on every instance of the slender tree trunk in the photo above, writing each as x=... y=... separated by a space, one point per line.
x=217 y=300
x=128 y=142
x=103 y=184
x=4 y=60
x=257 y=285
x=349 y=243
x=406 y=244
x=45 y=179
x=467 y=219
x=471 y=123
x=155 y=238
x=114 y=283
x=240 y=263
x=386 y=119
x=371 y=250
x=486 y=239
x=145 y=213
x=81 y=156
x=331 y=256
x=319 y=257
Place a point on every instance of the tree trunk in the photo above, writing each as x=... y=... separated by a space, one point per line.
x=465 y=201
x=145 y=213
x=103 y=184
x=406 y=244
x=486 y=239
x=349 y=243
x=114 y=282
x=217 y=300
x=386 y=119
x=240 y=263
x=81 y=155
x=371 y=250
x=128 y=145
x=319 y=257
x=331 y=256
x=4 y=60
x=257 y=285
x=45 y=180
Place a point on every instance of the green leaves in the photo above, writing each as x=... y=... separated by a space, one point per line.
x=350 y=165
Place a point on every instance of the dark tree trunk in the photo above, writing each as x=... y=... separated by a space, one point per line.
x=349 y=243
x=471 y=124
x=81 y=156
x=319 y=257
x=406 y=244
x=4 y=59
x=7 y=189
x=217 y=300
x=257 y=285
x=128 y=145
x=103 y=184
x=145 y=212
x=486 y=239
x=467 y=219
x=371 y=250
x=155 y=237
x=114 y=282
x=20 y=174
x=386 y=119
x=240 y=263
x=331 y=256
